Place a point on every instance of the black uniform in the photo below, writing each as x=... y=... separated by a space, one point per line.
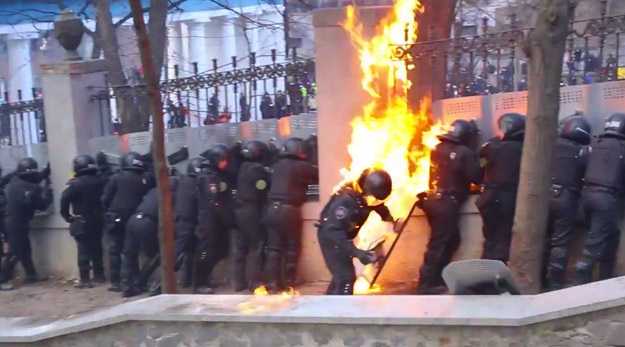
x=569 y=167
x=453 y=168
x=86 y=221
x=283 y=217
x=121 y=197
x=604 y=185
x=3 y=201
x=141 y=236
x=24 y=197
x=185 y=219
x=498 y=199
x=339 y=224
x=213 y=227
x=252 y=187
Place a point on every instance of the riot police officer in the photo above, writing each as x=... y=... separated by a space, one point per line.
x=603 y=187
x=185 y=219
x=340 y=221
x=250 y=235
x=86 y=219
x=454 y=166
x=121 y=197
x=24 y=197
x=105 y=168
x=290 y=179
x=501 y=158
x=142 y=236
x=214 y=216
x=567 y=178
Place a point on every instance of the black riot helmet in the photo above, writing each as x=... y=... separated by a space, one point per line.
x=375 y=183
x=194 y=166
x=615 y=125
x=101 y=159
x=84 y=164
x=133 y=161
x=460 y=132
x=217 y=157
x=27 y=167
x=511 y=124
x=255 y=151
x=576 y=128
x=294 y=148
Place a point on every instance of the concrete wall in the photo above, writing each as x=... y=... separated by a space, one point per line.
x=603 y=328
x=590 y=315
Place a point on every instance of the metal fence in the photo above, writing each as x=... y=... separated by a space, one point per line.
x=22 y=122
x=254 y=92
x=491 y=63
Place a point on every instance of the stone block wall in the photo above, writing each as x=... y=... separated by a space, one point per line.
x=601 y=328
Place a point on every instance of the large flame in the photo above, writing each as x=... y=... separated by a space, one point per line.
x=388 y=134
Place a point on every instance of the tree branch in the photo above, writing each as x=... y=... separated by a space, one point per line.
x=172 y=5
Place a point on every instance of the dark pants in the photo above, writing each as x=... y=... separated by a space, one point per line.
x=116 y=231
x=141 y=236
x=250 y=236
x=213 y=235
x=19 y=250
x=562 y=213
x=340 y=265
x=90 y=254
x=497 y=210
x=443 y=214
x=284 y=237
x=184 y=246
x=600 y=206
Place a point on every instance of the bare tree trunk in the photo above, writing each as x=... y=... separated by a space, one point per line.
x=157 y=28
x=126 y=108
x=165 y=220
x=545 y=50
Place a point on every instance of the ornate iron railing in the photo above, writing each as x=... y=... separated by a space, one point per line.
x=273 y=90
x=22 y=122
x=491 y=62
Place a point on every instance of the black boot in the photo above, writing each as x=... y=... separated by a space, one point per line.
x=274 y=272
x=84 y=280
x=583 y=272
x=115 y=287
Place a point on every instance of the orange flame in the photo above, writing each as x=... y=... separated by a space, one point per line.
x=388 y=134
x=261 y=301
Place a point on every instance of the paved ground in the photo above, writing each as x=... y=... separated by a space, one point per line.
x=61 y=299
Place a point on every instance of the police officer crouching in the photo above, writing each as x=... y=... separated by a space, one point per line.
x=121 y=197
x=214 y=217
x=142 y=236
x=24 y=197
x=250 y=235
x=291 y=176
x=569 y=167
x=454 y=166
x=501 y=158
x=603 y=188
x=86 y=219
x=340 y=222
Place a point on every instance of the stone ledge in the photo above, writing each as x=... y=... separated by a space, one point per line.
x=75 y=67
x=487 y=311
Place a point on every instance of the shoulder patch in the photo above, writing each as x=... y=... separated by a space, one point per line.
x=340 y=212
x=261 y=184
x=213 y=188
x=223 y=186
x=452 y=155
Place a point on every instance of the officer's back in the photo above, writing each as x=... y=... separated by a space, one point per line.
x=290 y=181
x=606 y=163
x=126 y=188
x=88 y=187
x=252 y=183
x=24 y=195
x=503 y=158
x=149 y=203
x=454 y=168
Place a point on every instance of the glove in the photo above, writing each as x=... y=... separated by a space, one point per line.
x=421 y=198
x=70 y=219
x=365 y=257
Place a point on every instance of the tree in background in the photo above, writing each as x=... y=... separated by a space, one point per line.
x=545 y=49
